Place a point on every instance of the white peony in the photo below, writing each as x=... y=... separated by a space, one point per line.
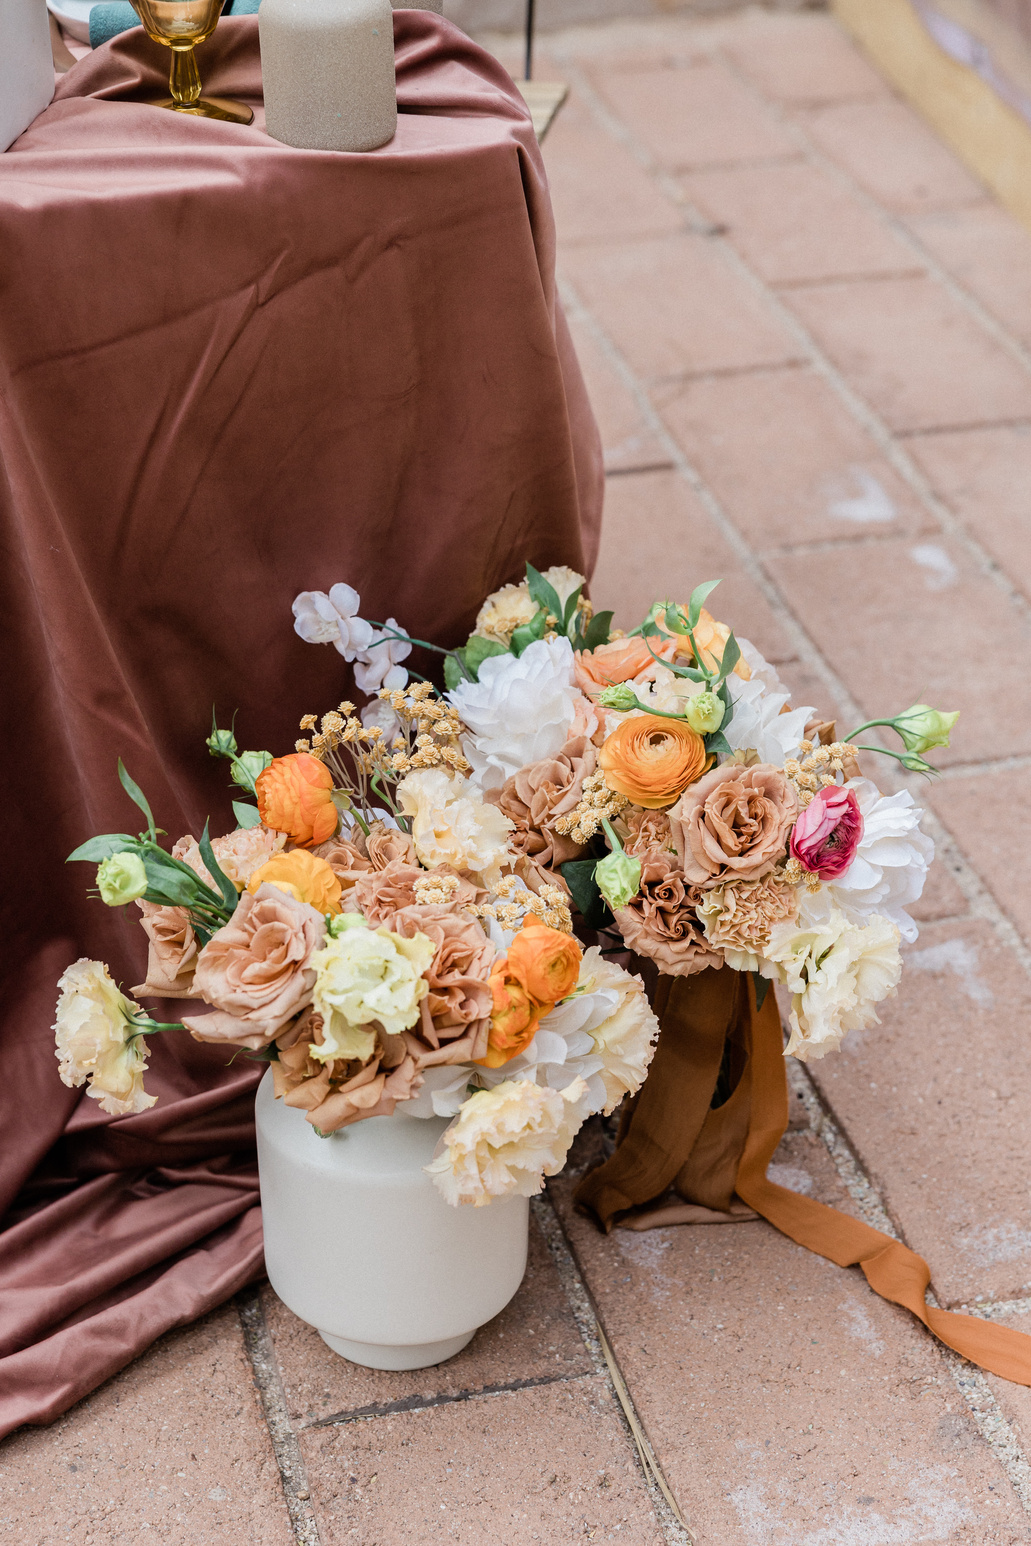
x=378 y=665
x=836 y=971
x=506 y=1140
x=332 y=619
x=521 y=710
x=758 y=725
x=97 y=1040
x=450 y=823
x=366 y=975
x=890 y=866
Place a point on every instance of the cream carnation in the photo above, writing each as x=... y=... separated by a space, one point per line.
x=890 y=865
x=522 y=709
x=625 y=1038
x=836 y=971
x=739 y=918
x=451 y=824
x=366 y=975
x=512 y=606
x=97 y=1040
x=504 y=1141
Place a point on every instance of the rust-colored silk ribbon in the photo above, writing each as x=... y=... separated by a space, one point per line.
x=672 y=1137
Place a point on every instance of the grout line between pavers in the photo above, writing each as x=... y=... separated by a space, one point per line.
x=971 y=1383
x=584 y=1312
x=258 y=1344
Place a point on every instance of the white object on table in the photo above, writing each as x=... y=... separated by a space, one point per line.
x=360 y=1244
x=327 y=68
x=26 y=66
x=73 y=16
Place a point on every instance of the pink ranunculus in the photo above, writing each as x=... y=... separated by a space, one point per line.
x=828 y=832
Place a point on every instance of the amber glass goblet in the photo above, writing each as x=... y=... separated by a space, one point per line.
x=180 y=25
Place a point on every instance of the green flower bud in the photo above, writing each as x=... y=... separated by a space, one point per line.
x=121 y=879
x=247 y=766
x=619 y=696
x=922 y=728
x=618 y=878
x=221 y=743
x=335 y=926
x=704 y=712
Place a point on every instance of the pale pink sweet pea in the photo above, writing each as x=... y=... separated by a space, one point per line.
x=828 y=832
x=321 y=618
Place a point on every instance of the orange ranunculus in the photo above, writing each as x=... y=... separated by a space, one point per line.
x=295 y=795
x=710 y=637
x=302 y=876
x=545 y=961
x=652 y=760
x=514 y=1018
x=621 y=660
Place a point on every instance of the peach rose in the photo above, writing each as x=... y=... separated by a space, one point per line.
x=255 y=968
x=303 y=876
x=337 y=1094
x=171 y=952
x=385 y=845
x=652 y=760
x=545 y=961
x=539 y=794
x=621 y=660
x=295 y=796
x=379 y=894
x=345 y=858
x=734 y=823
x=456 y=1011
x=661 y=922
x=710 y=637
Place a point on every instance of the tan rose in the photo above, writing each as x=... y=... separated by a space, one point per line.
x=733 y=824
x=346 y=859
x=378 y=894
x=171 y=952
x=661 y=922
x=387 y=845
x=647 y=832
x=255 y=969
x=538 y=795
x=336 y=1094
x=456 y=1011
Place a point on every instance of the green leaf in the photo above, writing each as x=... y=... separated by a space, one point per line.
x=477 y=651
x=528 y=633
x=543 y=592
x=136 y=795
x=172 y=884
x=247 y=816
x=571 y=605
x=717 y=743
x=578 y=875
x=723 y=693
x=762 y=985
x=99 y=848
x=699 y=596
x=452 y=671
x=731 y=656
x=598 y=630
x=674 y=620
x=230 y=895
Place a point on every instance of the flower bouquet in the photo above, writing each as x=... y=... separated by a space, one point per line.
x=391 y=923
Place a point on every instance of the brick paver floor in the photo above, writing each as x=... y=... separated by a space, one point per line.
x=806 y=331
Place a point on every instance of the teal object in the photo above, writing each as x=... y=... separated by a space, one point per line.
x=114 y=16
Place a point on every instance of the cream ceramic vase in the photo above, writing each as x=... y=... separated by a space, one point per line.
x=361 y=1245
x=327 y=69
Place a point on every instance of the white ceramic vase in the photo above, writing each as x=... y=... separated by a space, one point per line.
x=26 y=66
x=361 y=1245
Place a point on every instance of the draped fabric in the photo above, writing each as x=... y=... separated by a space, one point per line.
x=230 y=370
x=716 y=1157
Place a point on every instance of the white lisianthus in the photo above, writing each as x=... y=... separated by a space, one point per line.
x=366 y=975
x=660 y=688
x=890 y=866
x=378 y=665
x=332 y=618
x=758 y=725
x=836 y=971
x=97 y=1040
x=522 y=709
x=506 y=1140
x=450 y=823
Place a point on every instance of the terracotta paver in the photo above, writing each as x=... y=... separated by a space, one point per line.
x=787 y=297
x=172 y=1449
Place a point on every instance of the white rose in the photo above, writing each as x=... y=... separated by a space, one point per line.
x=521 y=710
x=836 y=971
x=321 y=618
x=506 y=1140
x=97 y=1040
x=365 y=975
x=890 y=866
x=450 y=824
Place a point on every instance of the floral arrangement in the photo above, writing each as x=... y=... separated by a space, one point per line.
x=391 y=923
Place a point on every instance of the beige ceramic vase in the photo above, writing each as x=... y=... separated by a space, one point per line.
x=328 y=72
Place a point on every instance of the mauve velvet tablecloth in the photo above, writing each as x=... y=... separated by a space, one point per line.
x=229 y=371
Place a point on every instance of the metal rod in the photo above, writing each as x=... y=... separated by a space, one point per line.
x=529 y=38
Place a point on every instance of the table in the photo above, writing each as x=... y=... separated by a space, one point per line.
x=230 y=370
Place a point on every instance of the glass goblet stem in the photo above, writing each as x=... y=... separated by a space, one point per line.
x=184 y=77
